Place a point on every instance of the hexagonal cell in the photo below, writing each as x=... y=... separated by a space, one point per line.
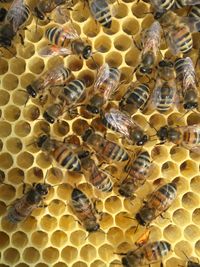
x=106 y=252
x=178 y=154
x=102 y=44
x=26 y=51
x=181 y=217
x=169 y=169
x=189 y=168
x=19 y=239
x=29 y=225
x=191 y=232
x=120 y=10
x=12 y=113
x=130 y=26
x=11 y=256
x=190 y=200
x=15 y=176
x=4 y=66
x=81 y=13
x=196 y=216
x=139 y=10
x=56 y=207
x=88 y=253
x=69 y=254
x=172 y=233
x=48 y=223
x=115 y=235
x=50 y=255
x=132 y=58
x=113 y=204
x=181 y=246
x=6 y=160
x=98 y=263
x=67 y=223
x=114 y=28
x=31 y=113
x=39 y=239
x=19 y=97
x=159 y=154
x=91 y=28
x=5 y=129
x=114 y=59
x=25 y=160
x=195 y=184
x=17 y=65
x=10 y=82
x=79 y=264
x=58 y=238
x=197 y=248
x=192 y=119
x=4 y=97
x=31 y=255
x=34 y=36
x=4 y=240
x=36 y=65
x=22 y=128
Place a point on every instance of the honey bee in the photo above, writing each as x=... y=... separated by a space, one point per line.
x=100 y=10
x=70 y=94
x=24 y=206
x=136 y=97
x=146 y=255
x=84 y=210
x=185 y=74
x=68 y=38
x=183 y=3
x=54 y=77
x=122 y=123
x=15 y=18
x=105 y=86
x=138 y=171
x=98 y=178
x=178 y=31
x=61 y=152
x=47 y=6
x=159 y=201
x=185 y=136
x=105 y=148
x=164 y=94
x=150 y=48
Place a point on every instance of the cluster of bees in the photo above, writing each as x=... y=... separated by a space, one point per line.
x=175 y=82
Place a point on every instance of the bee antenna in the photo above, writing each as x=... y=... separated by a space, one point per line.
x=185 y=254
x=94 y=62
x=184 y=115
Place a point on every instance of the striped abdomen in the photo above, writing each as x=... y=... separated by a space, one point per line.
x=82 y=206
x=183 y=39
x=136 y=96
x=195 y=12
x=191 y=136
x=165 y=98
x=101 y=12
x=73 y=91
x=162 y=198
x=67 y=158
x=100 y=180
x=140 y=167
x=20 y=210
x=57 y=36
x=166 y=4
x=20 y=10
x=114 y=152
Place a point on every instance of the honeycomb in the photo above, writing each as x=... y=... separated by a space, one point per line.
x=51 y=236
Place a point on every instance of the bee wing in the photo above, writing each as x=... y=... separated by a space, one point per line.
x=61 y=14
x=53 y=50
x=102 y=75
x=53 y=75
x=70 y=32
x=155 y=94
x=121 y=122
x=192 y=22
x=190 y=2
x=15 y=14
x=171 y=42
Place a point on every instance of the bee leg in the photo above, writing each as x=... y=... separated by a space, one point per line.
x=165 y=218
x=21 y=39
x=139 y=47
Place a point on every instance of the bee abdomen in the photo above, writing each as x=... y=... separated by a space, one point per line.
x=195 y=12
x=79 y=200
x=184 y=41
x=67 y=159
x=74 y=90
x=118 y=153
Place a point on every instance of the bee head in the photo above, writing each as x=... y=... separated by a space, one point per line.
x=87 y=134
x=92 y=227
x=38 y=13
x=41 y=140
x=145 y=70
x=48 y=118
x=30 y=90
x=3 y=13
x=139 y=137
x=42 y=189
x=87 y=51
x=158 y=15
x=92 y=109
x=163 y=133
x=190 y=105
x=145 y=216
x=125 y=262
x=126 y=191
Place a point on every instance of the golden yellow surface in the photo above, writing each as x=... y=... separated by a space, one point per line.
x=51 y=236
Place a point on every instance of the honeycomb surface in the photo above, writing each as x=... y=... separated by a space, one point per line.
x=51 y=236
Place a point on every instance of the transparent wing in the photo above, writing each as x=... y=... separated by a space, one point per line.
x=190 y=2
x=15 y=14
x=192 y=22
x=53 y=50
x=102 y=75
x=120 y=121
x=70 y=32
x=61 y=14
x=54 y=75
